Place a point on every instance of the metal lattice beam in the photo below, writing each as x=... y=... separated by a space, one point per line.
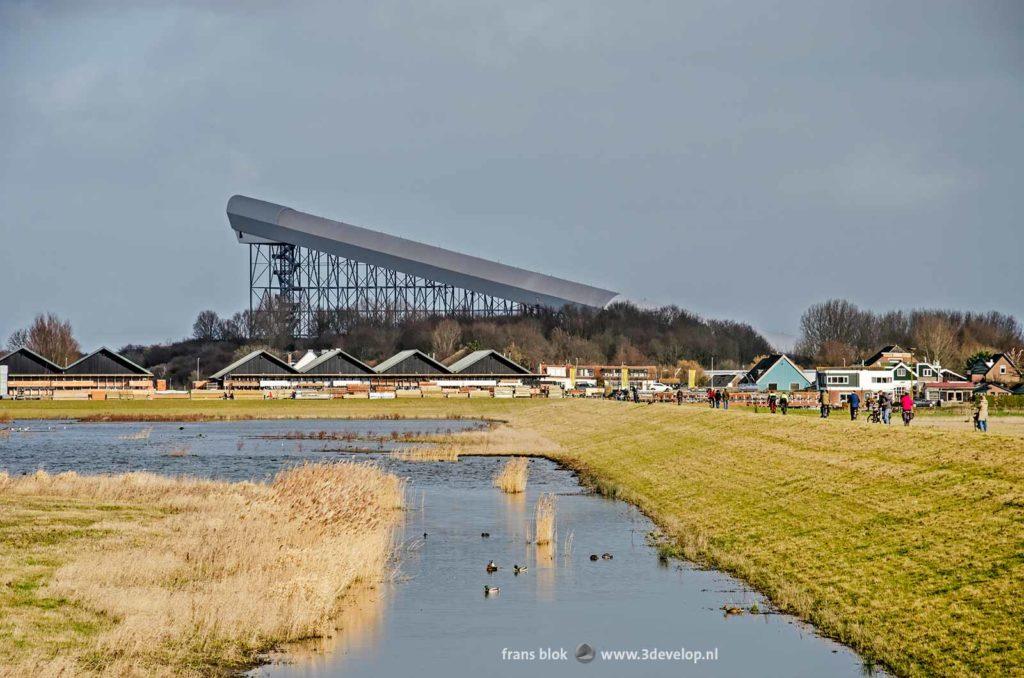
x=324 y=288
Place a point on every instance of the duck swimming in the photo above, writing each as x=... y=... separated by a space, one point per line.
x=606 y=556
x=516 y=569
x=491 y=590
x=593 y=556
x=485 y=535
x=491 y=567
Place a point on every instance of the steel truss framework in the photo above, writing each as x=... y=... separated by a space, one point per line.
x=324 y=288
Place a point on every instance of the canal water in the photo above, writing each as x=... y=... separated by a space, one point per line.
x=638 y=614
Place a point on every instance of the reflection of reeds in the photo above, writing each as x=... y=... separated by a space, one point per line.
x=431 y=453
x=512 y=476
x=567 y=548
x=545 y=519
x=222 y=571
x=138 y=435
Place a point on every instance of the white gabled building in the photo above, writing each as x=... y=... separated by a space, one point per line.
x=840 y=382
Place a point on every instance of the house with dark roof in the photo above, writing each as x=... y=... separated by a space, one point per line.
x=775 y=372
x=999 y=369
x=336 y=363
x=411 y=363
x=890 y=355
x=487 y=363
x=259 y=369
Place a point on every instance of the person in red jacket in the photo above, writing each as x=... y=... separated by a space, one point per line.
x=907 y=405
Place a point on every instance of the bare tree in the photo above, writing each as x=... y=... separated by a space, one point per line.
x=835 y=320
x=50 y=337
x=17 y=339
x=936 y=338
x=445 y=338
x=207 y=326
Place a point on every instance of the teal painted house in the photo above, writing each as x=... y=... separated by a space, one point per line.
x=776 y=373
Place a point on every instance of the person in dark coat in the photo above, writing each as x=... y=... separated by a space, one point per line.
x=854 y=401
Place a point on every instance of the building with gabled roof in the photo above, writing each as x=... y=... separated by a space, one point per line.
x=488 y=363
x=775 y=372
x=258 y=369
x=337 y=363
x=105 y=362
x=411 y=363
x=999 y=369
x=24 y=361
x=890 y=355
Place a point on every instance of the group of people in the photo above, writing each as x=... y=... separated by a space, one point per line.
x=879 y=405
x=717 y=398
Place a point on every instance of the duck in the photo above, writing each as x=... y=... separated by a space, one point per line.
x=516 y=569
x=424 y=535
x=491 y=590
x=485 y=535
x=491 y=567
x=732 y=609
x=606 y=556
x=593 y=556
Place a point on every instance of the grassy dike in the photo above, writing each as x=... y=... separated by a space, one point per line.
x=907 y=544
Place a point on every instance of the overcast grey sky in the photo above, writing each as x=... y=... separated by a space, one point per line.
x=742 y=160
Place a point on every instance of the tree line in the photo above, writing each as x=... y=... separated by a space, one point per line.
x=833 y=332
x=838 y=332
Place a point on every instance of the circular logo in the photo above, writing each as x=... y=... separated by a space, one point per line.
x=584 y=653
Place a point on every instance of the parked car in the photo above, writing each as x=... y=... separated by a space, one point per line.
x=924 y=402
x=658 y=387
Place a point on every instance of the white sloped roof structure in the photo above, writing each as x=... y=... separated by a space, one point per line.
x=257 y=221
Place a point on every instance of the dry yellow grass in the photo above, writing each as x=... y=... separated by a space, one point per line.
x=544 y=520
x=513 y=475
x=186 y=576
x=427 y=453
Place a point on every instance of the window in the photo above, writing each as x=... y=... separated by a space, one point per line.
x=881 y=380
x=901 y=372
x=794 y=386
x=773 y=387
x=1002 y=369
x=927 y=372
x=837 y=380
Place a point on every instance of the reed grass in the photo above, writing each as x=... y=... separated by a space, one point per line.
x=180 y=576
x=513 y=475
x=428 y=453
x=544 y=520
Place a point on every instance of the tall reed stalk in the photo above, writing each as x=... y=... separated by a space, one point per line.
x=513 y=475
x=545 y=519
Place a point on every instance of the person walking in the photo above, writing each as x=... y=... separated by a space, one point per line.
x=983 y=414
x=885 y=403
x=824 y=403
x=725 y=399
x=711 y=398
x=718 y=398
x=854 y=401
x=907 y=405
x=784 y=402
x=679 y=396
x=773 y=402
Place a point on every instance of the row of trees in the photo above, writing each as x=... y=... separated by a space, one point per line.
x=832 y=332
x=837 y=332
x=622 y=333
